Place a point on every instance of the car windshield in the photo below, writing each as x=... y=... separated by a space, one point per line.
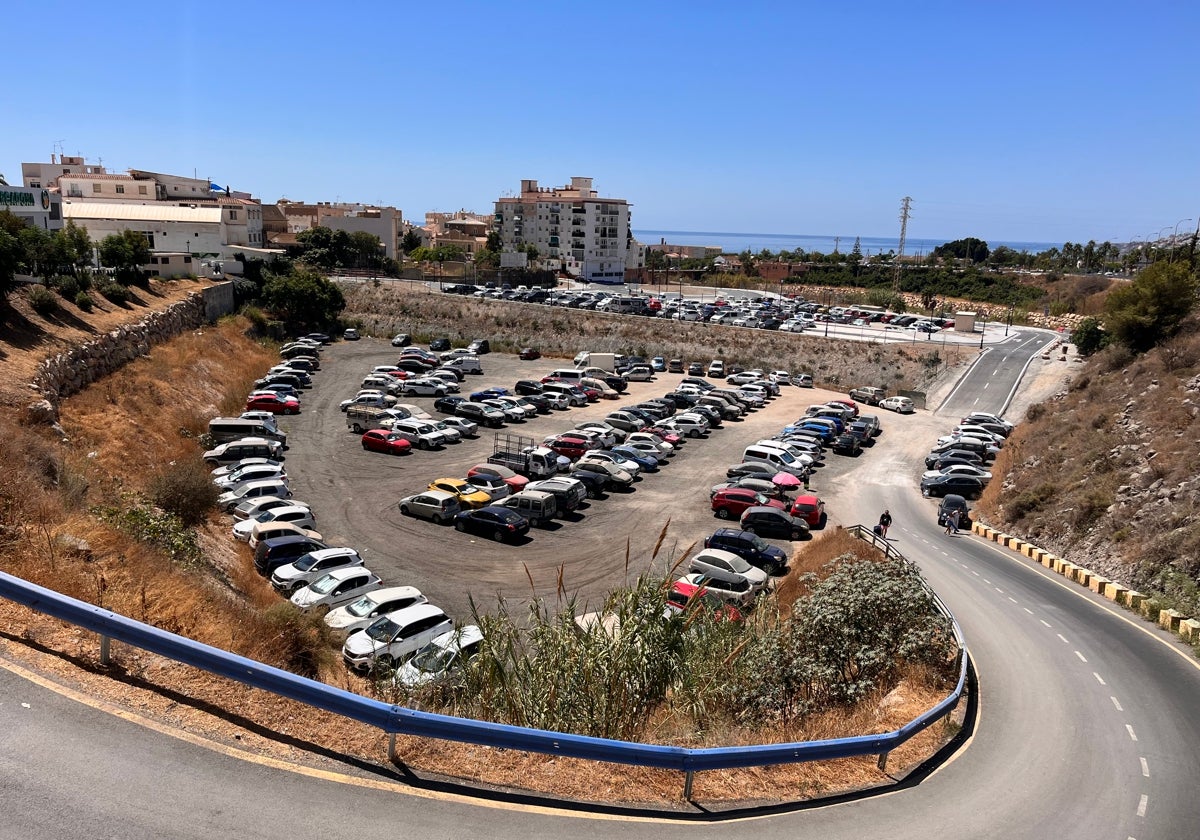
x=382 y=630
x=324 y=586
x=759 y=544
x=738 y=565
x=433 y=659
x=306 y=562
x=265 y=516
x=760 y=499
x=361 y=607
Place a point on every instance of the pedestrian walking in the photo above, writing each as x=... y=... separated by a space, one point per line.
x=952 y=522
x=885 y=522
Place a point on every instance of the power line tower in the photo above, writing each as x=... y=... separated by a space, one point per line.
x=905 y=207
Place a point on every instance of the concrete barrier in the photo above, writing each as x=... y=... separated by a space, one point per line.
x=1115 y=592
x=1066 y=569
x=1097 y=583
x=1084 y=576
x=1170 y=620
x=1190 y=630
x=1049 y=560
x=1134 y=600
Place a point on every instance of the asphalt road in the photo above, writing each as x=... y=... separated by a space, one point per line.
x=1089 y=724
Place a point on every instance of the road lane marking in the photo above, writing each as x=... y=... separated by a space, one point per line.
x=1132 y=734
x=1145 y=767
x=1080 y=655
x=1011 y=598
x=1099 y=679
x=988 y=582
x=1027 y=610
x=1116 y=703
x=1044 y=621
x=1142 y=803
x=975 y=573
x=1064 y=639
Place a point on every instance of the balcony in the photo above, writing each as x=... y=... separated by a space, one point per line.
x=553 y=241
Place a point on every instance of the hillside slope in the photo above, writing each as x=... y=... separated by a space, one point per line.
x=1106 y=473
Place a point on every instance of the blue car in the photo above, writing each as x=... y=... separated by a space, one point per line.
x=648 y=463
x=490 y=393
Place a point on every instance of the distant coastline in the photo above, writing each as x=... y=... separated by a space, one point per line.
x=734 y=243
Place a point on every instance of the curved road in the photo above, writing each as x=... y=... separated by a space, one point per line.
x=1089 y=728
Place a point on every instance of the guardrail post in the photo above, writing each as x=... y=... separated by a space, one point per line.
x=882 y=762
x=392 y=747
x=105 y=653
x=687 y=785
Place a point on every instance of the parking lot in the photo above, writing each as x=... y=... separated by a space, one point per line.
x=355 y=492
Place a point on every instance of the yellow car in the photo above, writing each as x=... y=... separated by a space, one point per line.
x=468 y=495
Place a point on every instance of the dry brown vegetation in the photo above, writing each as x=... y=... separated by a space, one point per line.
x=1104 y=474
x=49 y=535
x=402 y=307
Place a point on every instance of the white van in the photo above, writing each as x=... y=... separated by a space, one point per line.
x=568 y=375
x=465 y=364
x=777 y=457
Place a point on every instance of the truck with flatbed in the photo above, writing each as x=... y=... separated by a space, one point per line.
x=523 y=456
x=360 y=418
x=868 y=395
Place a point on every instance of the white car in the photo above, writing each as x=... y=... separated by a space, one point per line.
x=686 y=424
x=221 y=472
x=337 y=588
x=901 y=405
x=450 y=434
x=392 y=638
x=465 y=427
x=959 y=469
x=511 y=413
x=645 y=447
x=528 y=410
x=601 y=457
x=296 y=515
x=610 y=435
x=254 y=472
x=727 y=566
x=652 y=439
x=382 y=382
x=444 y=655
x=425 y=387
x=420 y=433
x=639 y=373
x=312 y=566
x=559 y=402
x=252 y=507
x=731 y=592
x=375 y=399
x=361 y=612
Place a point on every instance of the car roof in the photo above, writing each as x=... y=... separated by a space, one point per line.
x=718 y=553
x=414 y=612
x=340 y=551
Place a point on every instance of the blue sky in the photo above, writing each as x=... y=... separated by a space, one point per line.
x=1022 y=121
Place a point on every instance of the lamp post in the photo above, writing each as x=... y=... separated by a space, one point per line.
x=1173 y=235
x=1011 y=305
x=1160 y=233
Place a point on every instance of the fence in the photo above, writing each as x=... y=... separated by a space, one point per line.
x=395 y=720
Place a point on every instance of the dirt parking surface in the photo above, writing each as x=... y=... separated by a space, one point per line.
x=355 y=492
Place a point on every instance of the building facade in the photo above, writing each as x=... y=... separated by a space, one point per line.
x=589 y=235
x=36 y=206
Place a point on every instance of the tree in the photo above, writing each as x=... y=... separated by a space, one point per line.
x=1150 y=309
x=975 y=250
x=303 y=297
x=367 y=248
x=1088 y=337
x=10 y=259
x=125 y=252
x=494 y=244
x=74 y=248
x=412 y=241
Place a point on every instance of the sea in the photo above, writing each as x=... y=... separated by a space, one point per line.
x=735 y=243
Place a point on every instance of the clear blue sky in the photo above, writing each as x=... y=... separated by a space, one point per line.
x=1017 y=121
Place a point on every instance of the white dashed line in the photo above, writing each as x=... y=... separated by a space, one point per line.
x=1064 y=639
x=1027 y=610
x=1099 y=678
x=1116 y=703
x=975 y=573
x=1011 y=598
x=988 y=582
x=1080 y=655
x=1145 y=767
x=1142 y=803
x=1044 y=622
x=1132 y=734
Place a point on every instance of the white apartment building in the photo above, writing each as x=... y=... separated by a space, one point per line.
x=45 y=175
x=589 y=234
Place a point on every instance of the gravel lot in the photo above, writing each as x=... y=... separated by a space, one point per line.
x=355 y=492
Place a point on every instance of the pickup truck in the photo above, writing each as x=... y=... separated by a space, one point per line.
x=360 y=418
x=523 y=456
x=868 y=395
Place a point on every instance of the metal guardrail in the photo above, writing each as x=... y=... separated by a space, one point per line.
x=394 y=719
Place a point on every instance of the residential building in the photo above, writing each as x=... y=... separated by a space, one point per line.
x=385 y=222
x=37 y=206
x=45 y=175
x=589 y=234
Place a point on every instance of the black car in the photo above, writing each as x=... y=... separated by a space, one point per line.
x=773 y=522
x=656 y=410
x=493 y=521
x=751 y=469
x=752 y=548
x=667 y=405
x=863 y=431
x=709 y=413
x=479 y=346
x=962 y=485
x=478 y=413
x=846 y=444
x=594 y=482
x=937 y=460
x=682 y=400
x=270 y=554
x=401 y=340
x=618 y=383
x=410 y=364
x=439 y=345
x=695 y=369
x=539 y=402
x=525 y=387
x=447 y=405
x=953 y=502
x=319 y=336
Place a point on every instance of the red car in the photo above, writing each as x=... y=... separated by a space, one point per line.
x=515 y=482
x=682 y=594
x=571 y=446
x=666 y=435
x=809 y=508
x=732 y=501
x=528 y=354
x=274 y=403
x=591 y=393
x=381 y=440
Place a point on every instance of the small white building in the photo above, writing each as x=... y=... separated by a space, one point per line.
x=38 y=207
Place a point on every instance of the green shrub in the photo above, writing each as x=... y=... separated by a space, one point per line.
x=165 y=531
x=256 y=317
x=84 y=301
x=114 y=291
x=43 y=301
x=65 y=285
x=299 y=642
x=1031 y=501
x=185 y=490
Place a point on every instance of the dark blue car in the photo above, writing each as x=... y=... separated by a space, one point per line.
x=493 y=521
x=490 y=393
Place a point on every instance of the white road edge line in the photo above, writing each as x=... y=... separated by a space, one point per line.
x=1064 y=638
x=1145 y=767
x=1080 y=655
x=1142 y=803
x=1027 y=610
x=1116 y=703
x=1099 y=678
x=1044 y=621
x=1129 y=729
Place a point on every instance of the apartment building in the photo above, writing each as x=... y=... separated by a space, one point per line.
x=588 y=235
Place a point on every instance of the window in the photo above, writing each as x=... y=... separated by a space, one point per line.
x=141 y=189
x=233 y=215
x=120 y=189
x=97 y=188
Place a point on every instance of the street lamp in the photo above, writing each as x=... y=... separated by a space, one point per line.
x=1173 y=235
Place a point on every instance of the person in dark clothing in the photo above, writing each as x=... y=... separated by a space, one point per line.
x=885 y=521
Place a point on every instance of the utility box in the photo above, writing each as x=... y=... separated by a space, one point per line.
x=964 y=322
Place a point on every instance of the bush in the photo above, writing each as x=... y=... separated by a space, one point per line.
x=43 y=301
x=114 y=291
x=184 y=490
x=299 y=642
x=65 y=285
x=164 y=531
x=84 y=301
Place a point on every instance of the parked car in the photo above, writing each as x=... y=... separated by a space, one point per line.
x=954 y=502
x=529 y=354
x=252 y=507
x=811 y=509
x=274 y=403
x=361 y=612
x=484 y=415
x=382 y=440
x=685 y=595
x=446 y=654
x=298 y=515
x=751 y=548
x=960 y=469
x=967 y=486
x=731 y=502
x=468 y=495
x=392 y=638
x=499 y=523
x=439 y=345
x=424 y=387
x=516 y=483
x=465 y=427
x=847 y=444
x=251 y=472
x=716 y=563
x=401 y=340
x=438 y=506
x=290 y=577
x=901 y=405
x=336 y=588
x=737 y=593
x=773 y=522
x=944 y=457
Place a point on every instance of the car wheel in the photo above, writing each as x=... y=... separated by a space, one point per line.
x=749 y=529
x=693 y=433
x=365 y=447
x=436 y=519
x=404 y=510
x=722 y=513
x=460 y=526
x=422 y=444
x=498 y=535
